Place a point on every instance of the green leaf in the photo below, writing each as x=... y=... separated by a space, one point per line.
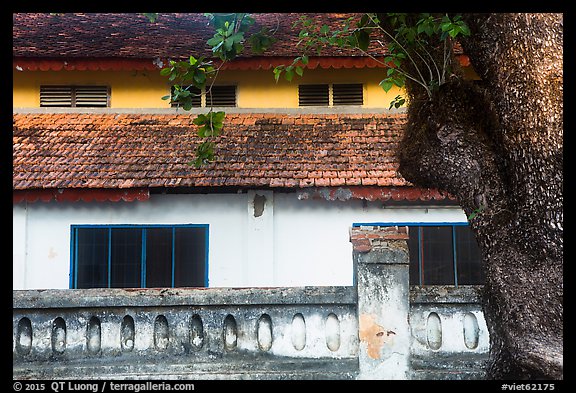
x=464 y=29
x=165 y=71
x=217 y=39
x=187 y=105
x=386 y=84
x=199 y=79
x=166 y=97
x=454 y=32
x=399 y=80
x=299 y=70
x=277 y=72
x=363 y=39
x=200 y=120
x=152 y=17
x=446 y=26
x=324 y=29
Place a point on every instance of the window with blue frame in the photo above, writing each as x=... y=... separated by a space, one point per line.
x=139 y=256
x=444 y=255
x=441 y=253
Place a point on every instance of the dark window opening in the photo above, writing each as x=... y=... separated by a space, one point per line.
x=444 y=255
x=139 y=256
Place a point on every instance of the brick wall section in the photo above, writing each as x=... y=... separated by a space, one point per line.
x=365 y=238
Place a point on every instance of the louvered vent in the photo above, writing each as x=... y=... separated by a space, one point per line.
x=221 y=96
x=74 y=96
x=89 y=96
x=195 y=95
x=313 y=95
x=55 y=96
x=347 y=94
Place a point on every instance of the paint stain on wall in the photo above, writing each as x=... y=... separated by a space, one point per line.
x=374 y=335
x=52 y=254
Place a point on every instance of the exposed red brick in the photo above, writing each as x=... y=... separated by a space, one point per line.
x=361 y=245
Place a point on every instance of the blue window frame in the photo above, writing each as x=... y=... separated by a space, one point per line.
x=442 y=253
x=139 y=256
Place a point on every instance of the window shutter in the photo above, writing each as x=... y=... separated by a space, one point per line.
x=313 y=95
x=74 y=96
x=56 y=96
x=91 y=96
x=348 y=94
x=221 y=96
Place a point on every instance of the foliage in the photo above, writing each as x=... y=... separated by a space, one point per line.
x=227 y=43
x=409 y=43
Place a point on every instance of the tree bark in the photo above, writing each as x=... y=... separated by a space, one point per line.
x=498 y=148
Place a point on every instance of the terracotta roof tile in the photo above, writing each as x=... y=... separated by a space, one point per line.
x=129 y=150
x=132 y=36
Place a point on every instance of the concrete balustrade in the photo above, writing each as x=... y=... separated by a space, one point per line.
x=380 y=328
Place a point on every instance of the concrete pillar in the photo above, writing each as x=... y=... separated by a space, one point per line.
x=381 y=264
x=259 y=269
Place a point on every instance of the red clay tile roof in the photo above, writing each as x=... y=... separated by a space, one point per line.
x=253 y=63
x=81 y=150
x=175 y=35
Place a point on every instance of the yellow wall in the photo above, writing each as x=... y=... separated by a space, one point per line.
x=129 y=89
x=256 y=89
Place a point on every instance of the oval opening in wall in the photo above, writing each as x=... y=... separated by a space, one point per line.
x=93 y=335
x=332 y=332
x=196 y=332
x=24 y=337
x=58 y=336
x=161 y=333
x=434 y=331
x=127 y=334
x=298 y=332
x=471 y=330
x=264 y=332
x=230 y=333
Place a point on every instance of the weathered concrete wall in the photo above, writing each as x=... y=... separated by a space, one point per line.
x=450 y=336
x=285 y=241
x=433 y=332
x=381 y=259
x=380 y=328
x=287 y=333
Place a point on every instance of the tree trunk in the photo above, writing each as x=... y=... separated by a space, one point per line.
x=498 y=148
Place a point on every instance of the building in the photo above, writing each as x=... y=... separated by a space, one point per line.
x=104 y=196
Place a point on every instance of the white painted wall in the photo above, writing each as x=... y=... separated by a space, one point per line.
x=293 y=243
